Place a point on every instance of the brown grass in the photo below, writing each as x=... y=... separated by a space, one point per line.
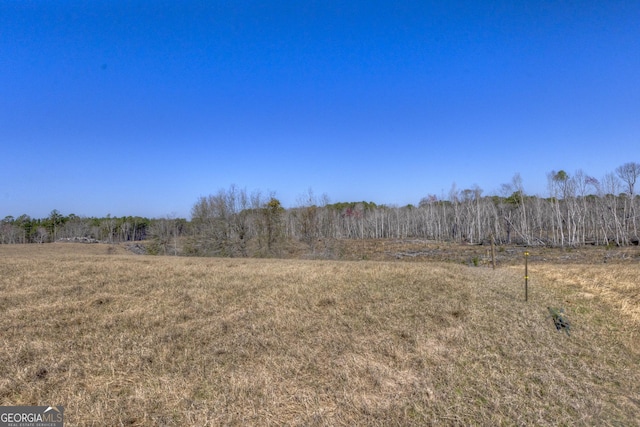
x=120 y=339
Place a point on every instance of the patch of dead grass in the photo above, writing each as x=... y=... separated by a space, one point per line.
x=617 y=285
x=122 y=339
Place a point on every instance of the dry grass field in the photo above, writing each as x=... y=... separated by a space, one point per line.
x=123 y=339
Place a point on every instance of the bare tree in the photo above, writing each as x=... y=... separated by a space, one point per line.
x=629 y=173
x=9 y=231
x=308 y=219
x=220 y=223
x=41 y=235
x=558 y=186
x=610 y=187
x=161 y=232
x=108 y=227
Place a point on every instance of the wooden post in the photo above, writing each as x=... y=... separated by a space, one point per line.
x=526 y=276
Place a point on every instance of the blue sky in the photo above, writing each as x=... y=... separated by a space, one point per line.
x=141 y=107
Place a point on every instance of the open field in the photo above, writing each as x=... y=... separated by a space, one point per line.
x=123 y=339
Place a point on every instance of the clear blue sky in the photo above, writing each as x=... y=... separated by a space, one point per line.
x=140 y=107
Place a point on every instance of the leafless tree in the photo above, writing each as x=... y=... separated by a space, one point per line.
x=307 y=216
x=629 y=173
x=611 y=217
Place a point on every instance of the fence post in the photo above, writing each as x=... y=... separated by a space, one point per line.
x=526 y=276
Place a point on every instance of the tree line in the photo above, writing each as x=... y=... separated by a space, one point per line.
x=57 y=226
x=579 y=210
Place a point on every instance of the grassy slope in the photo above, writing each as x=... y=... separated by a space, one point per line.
x=136 y=340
